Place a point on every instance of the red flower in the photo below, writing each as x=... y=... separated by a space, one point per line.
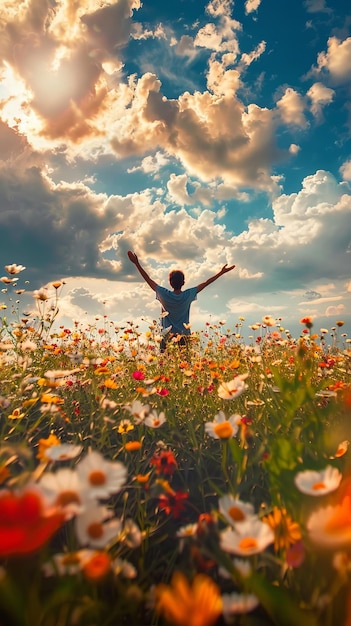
x=138 y=375
x=164 y=462
x=172 y=503
x=25 y=526
x=162 y=391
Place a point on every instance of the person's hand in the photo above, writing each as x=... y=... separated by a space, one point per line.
x=226 y=269
x=132 y=257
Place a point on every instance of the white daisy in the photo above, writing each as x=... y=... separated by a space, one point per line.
x=155 y=421
x=93 y=528
x=238 y=603
x=314 y=483
x=234 y=510
x=64 y=489
x=138 y=410
x=250 y=537
x=233 y=388
x=124 y=568
x=101 y=478
x=223 y=427
x=67 y=564
x=63 y=452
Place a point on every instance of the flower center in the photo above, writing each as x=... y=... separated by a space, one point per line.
x=236 y=514
x=247 y=544
x=318 y=486
x=70 y=559
x=67 y=497
x=223 y=430
x=95 y=530
x=97 y=478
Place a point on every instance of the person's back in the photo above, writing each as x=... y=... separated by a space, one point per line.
x=176 y=303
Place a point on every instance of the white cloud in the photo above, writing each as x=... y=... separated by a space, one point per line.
x=335 y=310
x=320 y=96
x=291 y=107
x=336 y=62
x=251 y=5
x=345 y=170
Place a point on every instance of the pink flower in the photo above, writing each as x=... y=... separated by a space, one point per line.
x=138 y=375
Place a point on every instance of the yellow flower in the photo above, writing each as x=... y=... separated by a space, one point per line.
x=16 y=415
x=125 y=426
x=196 y=604
x=286 y=532
x=109 y=383
x=44 y=444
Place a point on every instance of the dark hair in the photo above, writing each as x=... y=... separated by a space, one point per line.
x=176 y=278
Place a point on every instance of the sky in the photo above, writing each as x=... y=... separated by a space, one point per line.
x=194 y=133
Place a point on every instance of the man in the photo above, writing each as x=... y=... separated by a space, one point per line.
x=176 y=303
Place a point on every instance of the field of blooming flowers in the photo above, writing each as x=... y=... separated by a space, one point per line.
x=204 y=485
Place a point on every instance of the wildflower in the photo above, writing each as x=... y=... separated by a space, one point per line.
x=131 y=534
x=62 y=488
x=340 y=323
x=63 y=452
x=26 y=524
x=233 y=388
x=93 y=527
x=16 y=415
x=138 y=410
x=249 y=537
x=286 y=532
x=97 y=566
x=57 y=284
x=121 y=567
x=295 y=555
x=307 y=321
x=161 y=391
x=268 y=320
x=125 y=426
x=142 y=479
x=138 y=375
x=101 y=477
x=45 y=444
x=341 y=450
x=132 y=446
x=314 y=483
x=223 y=428
x=68 y=563
x=41 y=294
x=331 y=526
x=164 y=462
x=172 y=502
x=187 y=531
x=238 y=603
x=196 y=604
x=234 y=510
x=155 y=421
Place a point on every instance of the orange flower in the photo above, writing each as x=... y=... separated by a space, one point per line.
x=142 y=479
x=25 y=525
x=286 y=532
x=196 y=604
x=97 y=567
x=130 y=446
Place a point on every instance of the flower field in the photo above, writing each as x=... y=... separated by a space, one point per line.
x=208 y=484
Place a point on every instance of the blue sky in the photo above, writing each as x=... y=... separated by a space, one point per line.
x=195 y=133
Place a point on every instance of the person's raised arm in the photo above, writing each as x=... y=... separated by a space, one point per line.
x=207 y=282
x=134 y=259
